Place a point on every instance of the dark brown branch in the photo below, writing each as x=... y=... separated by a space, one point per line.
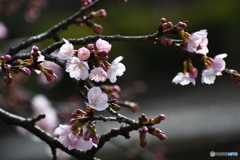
x=52 y=32
x=26 y=123
x=123 y=131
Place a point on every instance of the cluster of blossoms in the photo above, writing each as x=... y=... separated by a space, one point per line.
x=73 y=136
x=91 y=63
x=197 y=43
x=146 y=124
x=26 y=66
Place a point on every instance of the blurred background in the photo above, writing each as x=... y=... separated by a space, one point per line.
x=200 y=119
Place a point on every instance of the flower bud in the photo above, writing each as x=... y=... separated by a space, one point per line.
x=162 y=136
x=104 y=58
x=157 y=119
x=182 y=24
x=116 y=88
x=83 y=53
x=2 y=57
x=193 y=72
x=80 y=112
x=99 y=14
x=143 y=142
x=8 y=79
x=96 y=138
x=167 y=25
x=25 y=70
x=7 y=57
x=97 y=28
x=85 y=3
x=86 y=135
x=7 y=67
x=163 y=20
x=116 y=107
x=35 y=49
x=143 y=119
x=115 y=95
x=90 y=46
x=72 y=121
x=133 y=106
x=142 y=136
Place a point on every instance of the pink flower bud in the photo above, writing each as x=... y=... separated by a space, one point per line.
x=96 y=138
x=162 y=136
x=90 y=46
x=143 y=142
x=7 y=57
x=26 y=71
x=86 y=135
x=80 y=112
x=133 y=106
x=83 y=53
x=35 y=49
x=72 y=121
x=101 y=13
x=143 y=119
x=85 y=3
x=7 y=67
x=104 y=58
x=97 y=28
x=193 y=72
x=167 y=25
x=2 y=58
x=163 y=20
x=116 y=88
x=8 y=79
x=179 y=28
x=182 y=24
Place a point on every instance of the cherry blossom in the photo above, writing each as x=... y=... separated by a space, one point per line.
x=215 y=69
x=183 y=79
x=85 y=145
x=116 y=69
x=97 y=99
x=66 y=51
x=41 y=105
x=198 y=42
x=71 y=140
x=3 y=31
x=66 y=137
x=77 y=69
x=83 y=53
x=98 y=74
x=103 y=46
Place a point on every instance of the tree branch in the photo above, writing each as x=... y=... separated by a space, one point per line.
x=26 y=123
x=52 y=32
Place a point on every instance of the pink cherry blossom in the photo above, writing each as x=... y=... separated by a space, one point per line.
x=3 y=31
x=83 y=53
x=198 y=42
x=103 y=46
x=41 y=105
x=183 y=79
x=66 y=137
x=215 y=69
x=71 y=140
x=97 y=99
x=85 y=145
x=66 y=51
x=77 y=69
x=98 y=74
x=116 y=69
